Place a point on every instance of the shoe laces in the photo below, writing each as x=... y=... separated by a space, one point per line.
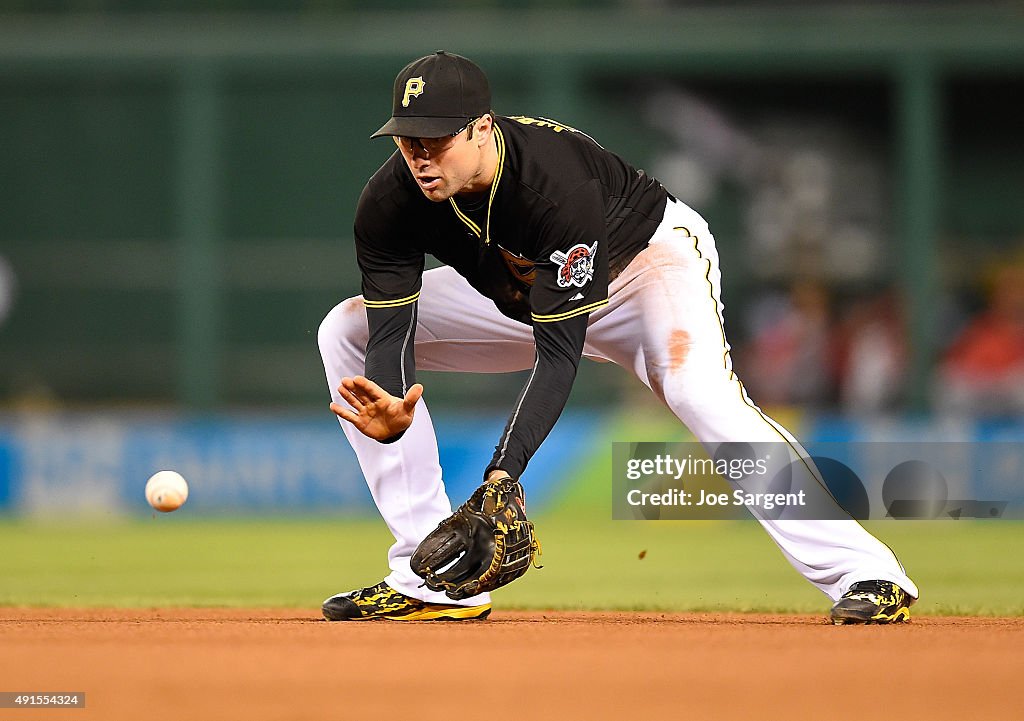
x=370 y=590
x=879 y=587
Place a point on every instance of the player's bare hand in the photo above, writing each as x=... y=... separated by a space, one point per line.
x=374 y=411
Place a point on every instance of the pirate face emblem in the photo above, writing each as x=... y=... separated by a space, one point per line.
x=575 y=268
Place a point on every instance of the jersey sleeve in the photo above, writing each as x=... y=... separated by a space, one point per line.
x=571 y=282
x=392 y=271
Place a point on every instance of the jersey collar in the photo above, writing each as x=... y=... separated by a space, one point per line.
x=485 y=233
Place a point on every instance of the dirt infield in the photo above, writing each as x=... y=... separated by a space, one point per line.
x=288 y=664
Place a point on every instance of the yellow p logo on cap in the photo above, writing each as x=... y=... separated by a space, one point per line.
x=413 y=88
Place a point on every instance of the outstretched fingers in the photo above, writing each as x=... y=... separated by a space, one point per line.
x=367 y=390
x=351 y=398
x=345 y=413
x=374 y=411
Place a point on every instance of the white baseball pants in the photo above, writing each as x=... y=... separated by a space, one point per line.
x=663 y=323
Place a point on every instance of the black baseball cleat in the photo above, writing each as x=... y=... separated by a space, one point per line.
x=383 y=602
x=873 y=602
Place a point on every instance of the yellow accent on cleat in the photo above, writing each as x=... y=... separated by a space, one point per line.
x=901 y=615
x=442 y=612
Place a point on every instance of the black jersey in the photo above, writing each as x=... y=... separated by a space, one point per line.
x=563 y=217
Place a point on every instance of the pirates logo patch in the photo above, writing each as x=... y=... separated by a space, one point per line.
x=575 y=268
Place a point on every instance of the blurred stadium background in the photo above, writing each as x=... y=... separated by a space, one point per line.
x=178 y=179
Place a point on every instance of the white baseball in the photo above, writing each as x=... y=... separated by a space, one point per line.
x=166 y=491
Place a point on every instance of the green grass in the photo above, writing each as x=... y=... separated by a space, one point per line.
x=173 y=560
x=590 y=561
x=961 y=567
x=973 y=568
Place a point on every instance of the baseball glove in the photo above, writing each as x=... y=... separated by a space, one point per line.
x=487 y=543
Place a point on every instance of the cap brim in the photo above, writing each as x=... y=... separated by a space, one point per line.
x=421 y=127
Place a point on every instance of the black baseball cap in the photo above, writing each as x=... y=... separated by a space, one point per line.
x=436 y=95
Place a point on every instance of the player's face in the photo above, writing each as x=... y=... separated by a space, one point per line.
x=443 y=167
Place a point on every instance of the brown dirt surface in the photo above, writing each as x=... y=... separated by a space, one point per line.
x=257 y=664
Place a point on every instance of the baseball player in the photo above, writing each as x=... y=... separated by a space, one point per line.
x=554 y=249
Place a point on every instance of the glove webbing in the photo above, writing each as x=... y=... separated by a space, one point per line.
x=512 y=559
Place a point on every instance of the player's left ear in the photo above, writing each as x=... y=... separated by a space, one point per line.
x=482 y=130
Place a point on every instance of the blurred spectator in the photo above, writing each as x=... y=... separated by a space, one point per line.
x=787 y=362
x=983 y=371
x=870 y=354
